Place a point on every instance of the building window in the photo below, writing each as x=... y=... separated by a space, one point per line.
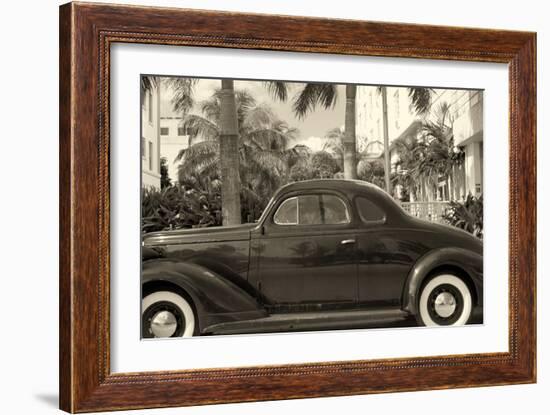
x=150 y=154
x=181 y=131
x=164 y=131
x=150 y=106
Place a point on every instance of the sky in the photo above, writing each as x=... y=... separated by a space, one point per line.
x=312 y=128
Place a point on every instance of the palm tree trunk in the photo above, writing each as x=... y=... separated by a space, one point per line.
x=350 y=156
x=229 y=155
x=387 y=162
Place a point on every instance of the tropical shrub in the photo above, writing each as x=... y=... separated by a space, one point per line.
x=176 y=207
x=467 y=215
x=371 y=171
x=318 y=165
x=165 y=180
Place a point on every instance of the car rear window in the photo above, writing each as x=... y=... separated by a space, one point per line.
x=369 y=211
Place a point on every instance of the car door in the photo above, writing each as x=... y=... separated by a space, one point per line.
x=307 y=253
x=384 y=257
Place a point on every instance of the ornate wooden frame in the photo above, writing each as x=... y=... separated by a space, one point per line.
x=86 y=33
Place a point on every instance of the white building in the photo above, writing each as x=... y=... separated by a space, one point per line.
x=173 y=137
x=161 y=135
x=466 y=119
x=150 y=143
x=370 y=117
x=467 y=113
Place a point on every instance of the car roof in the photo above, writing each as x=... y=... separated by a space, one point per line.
x=346 y=185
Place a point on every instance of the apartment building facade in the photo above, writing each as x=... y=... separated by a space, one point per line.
x=150 y=142
x=465 y=117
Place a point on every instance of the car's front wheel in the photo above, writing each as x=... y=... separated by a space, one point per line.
x=445 y=300
x=167 y=314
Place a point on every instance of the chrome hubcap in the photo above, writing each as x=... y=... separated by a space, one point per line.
x=164 y=324
x=445 y=304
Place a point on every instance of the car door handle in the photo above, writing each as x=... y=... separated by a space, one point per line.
x=347 y=241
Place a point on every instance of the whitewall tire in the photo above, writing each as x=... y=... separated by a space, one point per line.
x=445 y=301
x=167 y=314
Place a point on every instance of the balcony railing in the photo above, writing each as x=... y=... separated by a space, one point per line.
x=431 y=211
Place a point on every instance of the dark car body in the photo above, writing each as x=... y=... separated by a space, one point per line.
x=266 y=276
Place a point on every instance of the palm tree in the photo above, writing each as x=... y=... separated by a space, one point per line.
x=326 y=95
x=335 y=144
x=350 y=148
x=429 y=158
x=229 y=155
x=264 y=152
x=441 y=155
x=313 y=94
x=228 y=140
x=410 y=152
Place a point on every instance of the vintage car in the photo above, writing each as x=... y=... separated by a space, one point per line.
x=325 y=254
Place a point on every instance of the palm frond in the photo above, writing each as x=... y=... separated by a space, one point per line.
x=258 y=117
x=268 y=139
x=210 y=108
x=200 y=159
x=183 y=89
x=277 y=89
x=197 y=126
x=311 y=95
x=148 y=82
x=421 y=99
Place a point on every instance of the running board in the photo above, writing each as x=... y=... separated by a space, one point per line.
x=328 y=320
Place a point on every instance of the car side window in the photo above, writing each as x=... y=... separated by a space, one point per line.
x=369 y=211
x=333 y=210
x=287 y=213
x=309 y=210
x=312 y=210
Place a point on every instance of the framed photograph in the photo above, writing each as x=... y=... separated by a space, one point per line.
x=260 y=207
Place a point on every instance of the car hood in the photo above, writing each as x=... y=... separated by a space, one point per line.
x=196 y=235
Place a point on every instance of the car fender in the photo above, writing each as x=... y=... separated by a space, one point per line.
x=215 y=297
x=468 y=261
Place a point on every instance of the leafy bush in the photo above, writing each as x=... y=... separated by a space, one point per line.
x=176 y=207
x=318 y=165
x=467 y=215
x=372 y=171
x=165 y=180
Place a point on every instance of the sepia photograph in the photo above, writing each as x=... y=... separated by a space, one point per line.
x=273 y=206
x=259 y=206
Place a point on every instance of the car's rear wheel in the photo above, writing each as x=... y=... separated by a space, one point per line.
x=167 y=314
x=445 y=300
